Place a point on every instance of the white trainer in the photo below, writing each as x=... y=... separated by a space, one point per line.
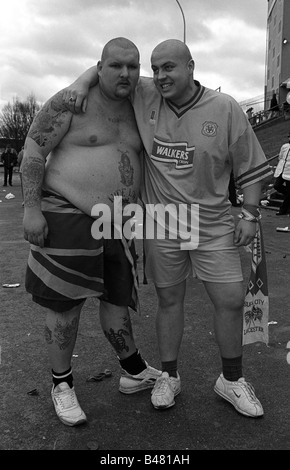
x=66 y=405
x=135 y=383
x=164 y=391
x=241 y=395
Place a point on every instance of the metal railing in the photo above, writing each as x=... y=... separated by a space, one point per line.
x=272 y=158
x=267 y=115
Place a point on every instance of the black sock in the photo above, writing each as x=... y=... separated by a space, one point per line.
x=170 y=367
x=133 y=364
x=232 y=368
x=66 y=376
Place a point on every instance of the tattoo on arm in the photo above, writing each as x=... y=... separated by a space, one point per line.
x=32 y=176
x=44 y=131
x=50 y=118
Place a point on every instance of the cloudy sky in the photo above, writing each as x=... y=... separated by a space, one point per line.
x=46 y=44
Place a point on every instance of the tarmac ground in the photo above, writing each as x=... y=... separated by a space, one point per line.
x=123 y=424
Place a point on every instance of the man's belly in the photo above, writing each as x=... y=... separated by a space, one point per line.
x=92 y=176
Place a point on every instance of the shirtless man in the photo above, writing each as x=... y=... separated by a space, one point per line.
x=194 y=137
x=72 y=163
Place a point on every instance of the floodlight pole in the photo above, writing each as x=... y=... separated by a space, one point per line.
x=184 y=26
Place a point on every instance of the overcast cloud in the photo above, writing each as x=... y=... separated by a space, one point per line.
x=46 y=44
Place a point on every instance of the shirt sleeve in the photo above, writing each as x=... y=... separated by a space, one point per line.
x=248 y=159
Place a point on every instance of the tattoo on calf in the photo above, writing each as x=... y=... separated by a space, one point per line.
x=117 y=339
x=128 y=326
x=65 y=333
x=48 y=335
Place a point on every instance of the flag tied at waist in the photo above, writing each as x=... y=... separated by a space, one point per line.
x=256 y=306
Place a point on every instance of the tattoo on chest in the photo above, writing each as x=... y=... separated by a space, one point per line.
x=127 y=193
x=114 y=120
x=129 y=196
x=126 y=170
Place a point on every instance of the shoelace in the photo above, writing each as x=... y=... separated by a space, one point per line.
x=161 y=384
x=68 y=400
x=248 y=387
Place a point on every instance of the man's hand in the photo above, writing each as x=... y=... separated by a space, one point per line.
x=35 y=227
x=245 y=233
x=75 y=97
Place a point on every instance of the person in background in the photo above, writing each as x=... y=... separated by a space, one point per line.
x=19 y=163
x=73 y=166
x=9 y=159
x=282 y=175
x=232 y=191
x=274 y=106
x=250 y=115
x=194 y=137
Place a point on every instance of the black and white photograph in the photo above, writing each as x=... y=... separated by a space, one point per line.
x=145 y=231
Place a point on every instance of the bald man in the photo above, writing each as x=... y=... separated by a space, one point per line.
x=194 y=138
x=72 y=165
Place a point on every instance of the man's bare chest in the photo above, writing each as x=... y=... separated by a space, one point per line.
x=105 y=127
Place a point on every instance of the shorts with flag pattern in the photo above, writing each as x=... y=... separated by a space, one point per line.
x=73 y=265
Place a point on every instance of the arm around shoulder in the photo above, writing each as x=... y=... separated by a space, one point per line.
x=75 y=95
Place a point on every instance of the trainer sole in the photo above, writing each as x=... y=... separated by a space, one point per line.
x=78 y=423
x=168 y=406
x=129 y=391
x=225 y=397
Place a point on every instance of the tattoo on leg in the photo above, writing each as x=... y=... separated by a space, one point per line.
x=65 y=333
x=128 y=326
x=117 y=339
x=48 y=335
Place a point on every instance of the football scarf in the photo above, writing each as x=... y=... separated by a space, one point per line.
x=256 y=306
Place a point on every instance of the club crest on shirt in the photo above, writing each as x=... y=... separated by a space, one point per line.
x=209 y=129
x=177 y=152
